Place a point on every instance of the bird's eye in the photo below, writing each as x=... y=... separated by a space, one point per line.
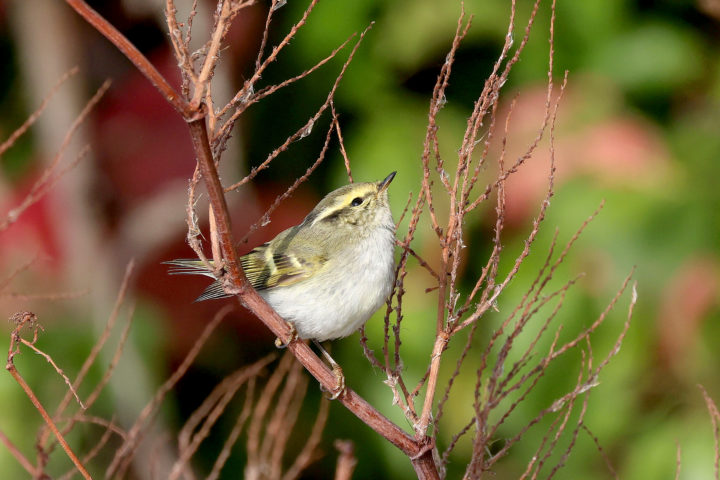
x=356 y=201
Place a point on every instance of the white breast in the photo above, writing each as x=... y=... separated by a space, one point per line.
x=344 y=294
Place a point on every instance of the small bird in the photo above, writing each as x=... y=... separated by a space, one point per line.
x=329 y=274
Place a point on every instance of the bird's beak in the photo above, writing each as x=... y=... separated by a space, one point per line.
x=384 y=184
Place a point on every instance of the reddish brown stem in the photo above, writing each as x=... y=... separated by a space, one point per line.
x=201 y=145
x=38 y=406
x=133 y=54
x=15 y=452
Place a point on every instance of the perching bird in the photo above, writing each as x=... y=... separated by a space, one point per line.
x=329 y=274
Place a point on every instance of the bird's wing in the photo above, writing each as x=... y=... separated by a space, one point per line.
x=266 y=270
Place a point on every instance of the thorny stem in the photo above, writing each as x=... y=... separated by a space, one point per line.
x=38 y=406
x=442 y=335
x=201 y=145
x=10 y=367
x=441 y=341
x=212 y=55
x=132 y=54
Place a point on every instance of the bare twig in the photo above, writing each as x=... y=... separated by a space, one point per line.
x=715 y=419
x=209 y=412
x=346 y=460
x=52 y=173
x=307 y=127
x=59 y=370
x=29 y=319
x=4 y=146
x=602 y=452
x=17 y=454
x=126 y=451
x=132 y=54
x=265 y=217
x=309 y=451
x=235 y=432
x=336 y=121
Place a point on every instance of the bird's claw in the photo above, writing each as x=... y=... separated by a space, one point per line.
x=339 y=390
x=293 y=336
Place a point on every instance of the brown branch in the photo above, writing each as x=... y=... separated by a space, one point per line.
x=602 y=452
x=29 y=319
x=715 y=419
x=253 y=445
x=346 y=460
x=52 y=174
x=181 y=45
x=284 y=416
x=59 y=370
x=260 y=67
x=4 y=146
x=209 y=412
x=104 y=336
x=265 y=217
x=336 y=121
x=307 y=128
x=441 y=335
x=222 y=23
x=46 y=417
x=127 y=449
x=17 y=454
x=308 y=452
x=133 y=54
x=235 y=432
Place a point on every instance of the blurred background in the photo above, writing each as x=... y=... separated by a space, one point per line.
x=639 y=126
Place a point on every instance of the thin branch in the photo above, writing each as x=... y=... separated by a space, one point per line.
x=602 y=452
x=23 y=319
x=59 y=370
x=265 y=217
x=309 y=451
x=346 y=460
x=104 y=336
x=235 y=432
x=336 y=121
x=17 y=454
x=133 y=54
x=4 y=146
x=209 y=412
x=52 y=173
x=715 y=419
x=307 y=127
x=126 y=451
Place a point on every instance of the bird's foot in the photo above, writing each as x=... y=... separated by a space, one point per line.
x=293 y=336
x=339 y=390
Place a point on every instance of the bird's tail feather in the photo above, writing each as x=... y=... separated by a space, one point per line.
x=196 y=267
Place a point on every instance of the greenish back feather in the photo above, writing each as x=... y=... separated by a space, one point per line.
x=266 y=270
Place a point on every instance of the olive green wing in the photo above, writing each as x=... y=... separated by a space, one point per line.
x=287 y=259
x=266 y=268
